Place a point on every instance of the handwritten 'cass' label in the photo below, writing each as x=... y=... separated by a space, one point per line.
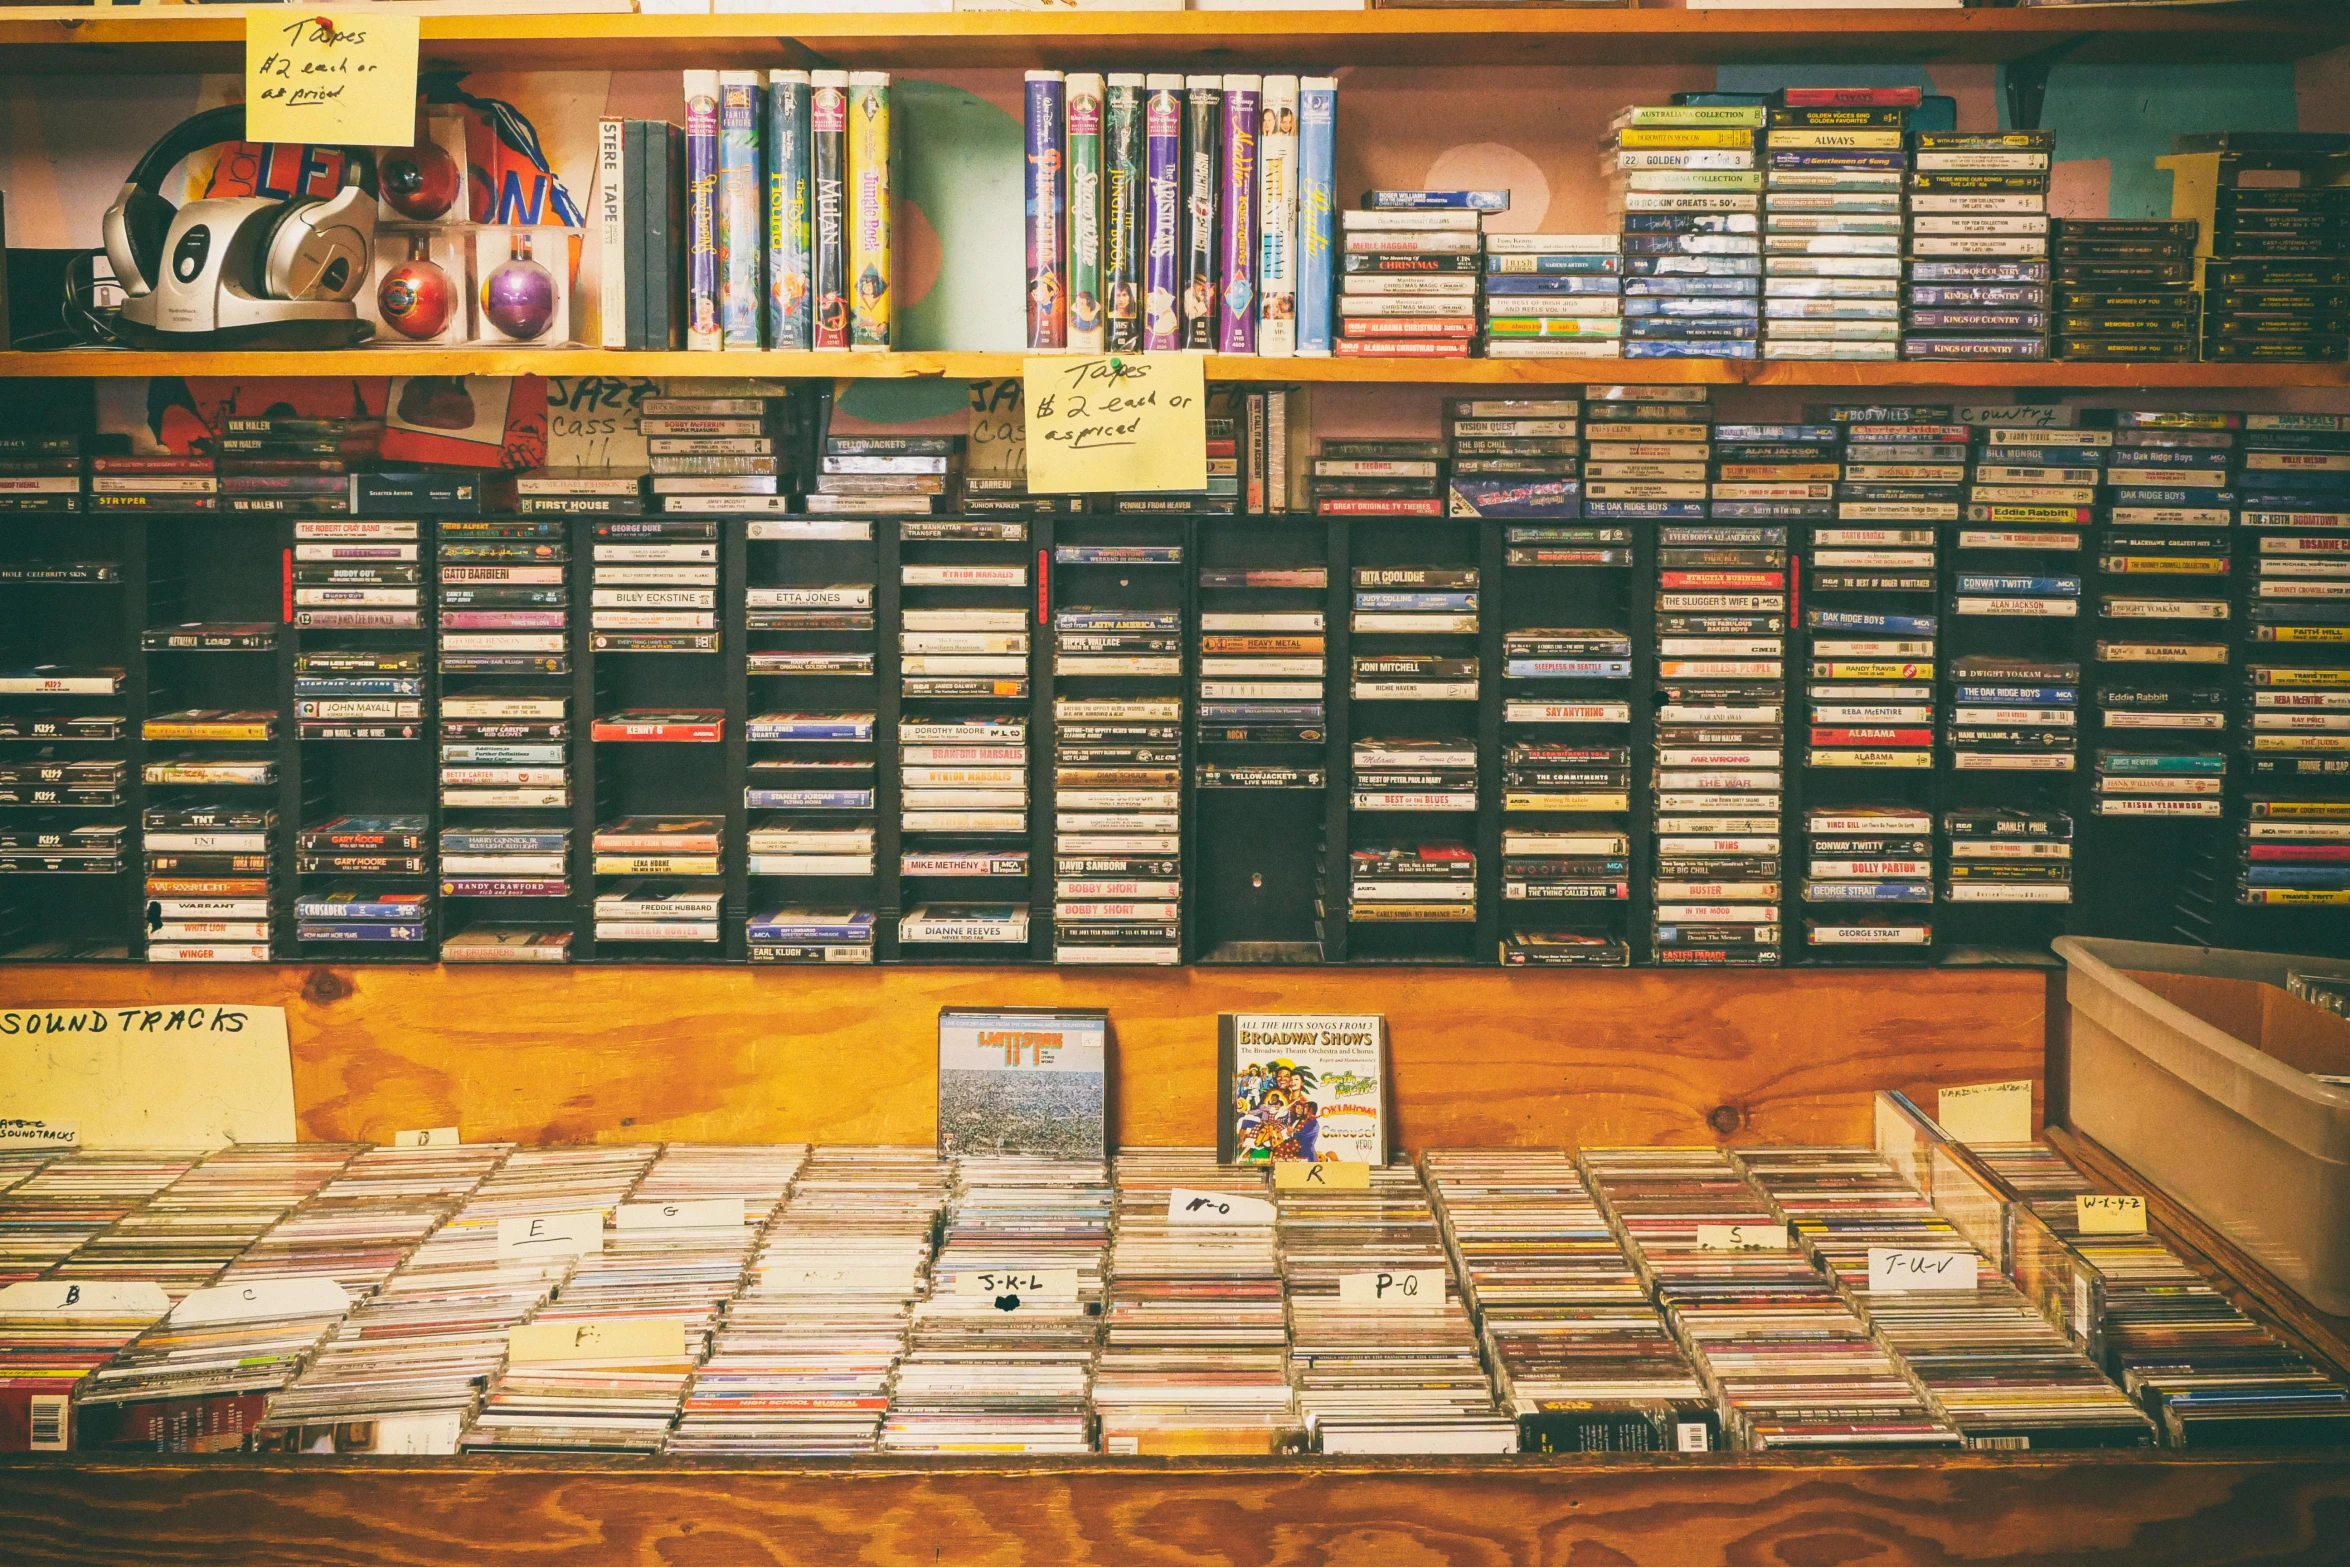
x=1741 y=1237
x=552 y=1234
x=261 y=1300
x=1421 y=1288
x=74 y=1298
x=1321 y=1175
x=346 y=78
x=1987 y=1112
x=428 y=1137
x=1228 y=1209
x=1025 y=1284
x=703 y=1213
x=2110 y=1214
x=1123 y=422
x=596 y=1338
x=1895 y=1268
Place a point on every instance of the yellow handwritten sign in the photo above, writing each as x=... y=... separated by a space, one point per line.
x=344 y=77
x=1117 y=422
x=596 y=1338
x=1987 y=1112
x=2110 y=1214
x=1321 y=1175
x=137 y=1076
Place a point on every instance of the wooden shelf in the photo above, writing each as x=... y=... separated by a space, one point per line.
x=1197 y=39
x=114 y=362
x=2166 y=1509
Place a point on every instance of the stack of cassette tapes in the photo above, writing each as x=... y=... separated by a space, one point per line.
x=212 y=888
x=1978 y=270
x=654 y=585
x=1378 y=478
x=385 y=914
x=802 y=1361
x=2274 y=258
x=1382 y=1349
x=660 y=879
x=1832 y=222
x=1684 y=190
x=1997 y=854
x=1402 y=309
x=963 y=659
x=1557 y=296
x=1194 y=1344
x=1117 y=820
x=713 y=454
x=506 y=767
x=1579 y=1357
x=886 y=476
x=2162 y=694
x=1722 y=600
x=42 y=473
x=1869 y=882
x=2125 y=290
x=2296 y=735
x=580 y=492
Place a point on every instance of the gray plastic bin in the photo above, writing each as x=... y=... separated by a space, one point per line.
x=2192 y=1064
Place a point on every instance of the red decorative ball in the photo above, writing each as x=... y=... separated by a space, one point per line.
x=417 y=299
x=420 y=182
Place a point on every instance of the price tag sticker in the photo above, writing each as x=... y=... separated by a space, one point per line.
x=1030 y=1286
x=2110 y=1214
x=1324 y=1175
x=1741 y=1237
x=1893 y=1269
x=1228 y=1210
x=1421 y=1288
x=342 y=78
x=428 y=1137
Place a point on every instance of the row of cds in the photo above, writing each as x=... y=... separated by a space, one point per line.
x=706 y=1299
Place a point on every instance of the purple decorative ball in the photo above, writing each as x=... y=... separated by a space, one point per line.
x=519 y=298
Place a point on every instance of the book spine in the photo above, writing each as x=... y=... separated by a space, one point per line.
x=1084 y=103
x=701 y=239
x=1048 y=315
x=828 y=156
x=612 y=231
x=634 y=248
x=1317 y=203
x=1277 y=212
x=790 y=321
x=1162 y=202
x=1122 y=174
x=872 y=243
x=1203 y=162
x=742 y=280
x=664 y=217
x=1236 y=221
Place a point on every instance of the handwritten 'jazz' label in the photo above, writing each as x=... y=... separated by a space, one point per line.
x=1029 y=1284
x=703 y=1213
x=552 y=1234
x=1321 y=1175
x=1895 y=1268
x=597 y=1338
x=428 y=1137
x=1403 y=1287
x=1987 y=1112
x=1229 y=1209
x=339 y=78
x=1741 y=1237
x=1125 y=422
x=2110 y=1214
x=75 y=1298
